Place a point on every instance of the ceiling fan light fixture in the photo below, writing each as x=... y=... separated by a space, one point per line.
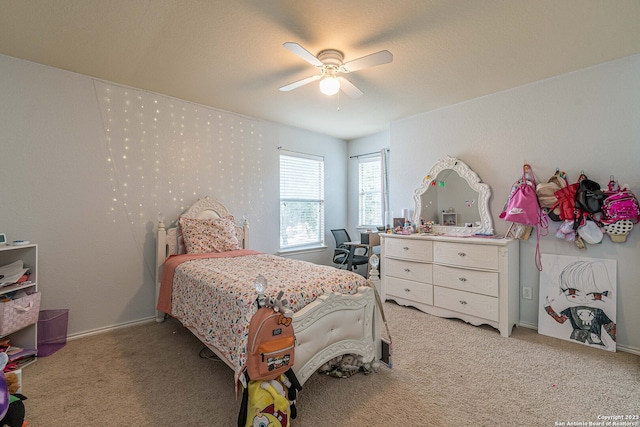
x=329 y=85
x=330 y=63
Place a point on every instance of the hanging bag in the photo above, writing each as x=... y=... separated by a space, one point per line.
x=620 y=204
x=271 y=344
x=589 y=198
x=269 y=402
x=523 y=207
x=547 y=197
x=566 y=201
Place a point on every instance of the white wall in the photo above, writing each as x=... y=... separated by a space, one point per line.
x=587 y=121
x=87 y=165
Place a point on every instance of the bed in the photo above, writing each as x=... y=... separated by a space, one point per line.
x=213 y=294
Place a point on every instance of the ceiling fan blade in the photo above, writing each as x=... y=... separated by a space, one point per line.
x=299 y=83
x=378 y=58
x=303 y=53
x=349 y=88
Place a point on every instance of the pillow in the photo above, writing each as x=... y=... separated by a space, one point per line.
x=209 y=235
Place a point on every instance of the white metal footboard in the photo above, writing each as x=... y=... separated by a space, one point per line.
x=333 y=325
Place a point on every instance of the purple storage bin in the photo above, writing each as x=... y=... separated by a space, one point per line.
x=52 y=331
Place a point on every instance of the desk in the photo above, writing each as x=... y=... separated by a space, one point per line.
x=352 y=250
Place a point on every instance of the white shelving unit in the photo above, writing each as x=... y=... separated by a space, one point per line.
x=449 y=218
x=27 y=336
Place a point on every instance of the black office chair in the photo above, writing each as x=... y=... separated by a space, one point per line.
x=341 y=252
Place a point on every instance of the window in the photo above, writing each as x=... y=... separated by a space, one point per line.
x=301 y=201
x=370 y=191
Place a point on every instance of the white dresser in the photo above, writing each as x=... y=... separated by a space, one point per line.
x=475 y=279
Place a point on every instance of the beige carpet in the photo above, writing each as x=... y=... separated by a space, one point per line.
x=446 y=373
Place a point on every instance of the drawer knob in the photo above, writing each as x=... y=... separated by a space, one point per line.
x=406 y=248
x=463 y=302
x=462 y=279
x=407 y=290
x=462 y=254
x=406 y=270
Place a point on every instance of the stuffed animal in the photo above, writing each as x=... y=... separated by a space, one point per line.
x=13 y=383
x=279 y=305
x=11 y=407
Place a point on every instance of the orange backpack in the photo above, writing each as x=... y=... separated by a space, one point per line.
x=270 y=346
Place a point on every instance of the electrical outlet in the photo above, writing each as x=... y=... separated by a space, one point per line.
x=526 y=292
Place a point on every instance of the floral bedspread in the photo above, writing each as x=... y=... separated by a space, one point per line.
x=217 y=296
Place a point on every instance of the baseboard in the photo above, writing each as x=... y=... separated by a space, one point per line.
x=528 y=325
x=110 y=328
x=619 y=347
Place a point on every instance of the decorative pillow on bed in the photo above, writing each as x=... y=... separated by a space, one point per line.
x=209 y=235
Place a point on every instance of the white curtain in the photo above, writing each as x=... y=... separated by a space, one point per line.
x=385 y=185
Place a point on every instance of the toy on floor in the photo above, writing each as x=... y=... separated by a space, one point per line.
x=347 y=365
x=11 y=407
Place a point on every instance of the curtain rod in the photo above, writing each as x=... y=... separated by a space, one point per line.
x=367 y=154
x=300 y=152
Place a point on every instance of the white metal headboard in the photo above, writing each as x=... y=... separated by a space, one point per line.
x=205 y=208
x=169 y=240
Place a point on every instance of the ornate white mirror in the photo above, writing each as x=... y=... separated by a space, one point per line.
x=454 y=198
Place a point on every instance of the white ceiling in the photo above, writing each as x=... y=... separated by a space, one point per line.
x=228 y=54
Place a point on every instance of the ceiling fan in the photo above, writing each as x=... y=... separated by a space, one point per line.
x=330 y=64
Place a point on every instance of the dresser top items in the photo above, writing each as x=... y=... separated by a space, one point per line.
x=452 y=188
x=477 y=240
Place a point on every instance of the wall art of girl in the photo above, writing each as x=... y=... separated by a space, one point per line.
x=587 y=287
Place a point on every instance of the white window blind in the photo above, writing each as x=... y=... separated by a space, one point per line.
x=301 y=201
x=370 y=191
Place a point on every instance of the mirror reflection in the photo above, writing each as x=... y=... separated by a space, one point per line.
x=449 y=201
x=454 y=198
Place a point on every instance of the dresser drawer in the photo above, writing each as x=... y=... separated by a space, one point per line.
x=408 y=289
x=481 y=282
x=410 y=270
x=416 y=250
x=476 y=305
x=466 y=255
